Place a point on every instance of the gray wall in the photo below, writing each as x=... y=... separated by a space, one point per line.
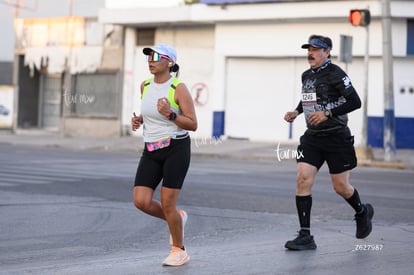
x=6 y=33
x=6 y=73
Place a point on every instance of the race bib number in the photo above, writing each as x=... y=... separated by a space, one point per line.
x=308 y=98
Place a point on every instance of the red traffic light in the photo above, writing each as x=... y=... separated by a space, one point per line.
x=359 y=17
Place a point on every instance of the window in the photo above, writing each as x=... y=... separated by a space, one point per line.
x=410 y=37
x=145 y=37
x=94 y=95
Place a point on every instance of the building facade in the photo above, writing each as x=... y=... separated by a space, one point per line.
x=67 y=69
x=242 y=61
x=69 y=75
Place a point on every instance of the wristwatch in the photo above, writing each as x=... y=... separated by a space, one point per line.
x=172 y=116
x=327 y=113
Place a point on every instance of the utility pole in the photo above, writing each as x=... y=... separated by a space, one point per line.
x=389 y=115
x=15 y=71
x=367 y=152
x=67 y=77
x=362 y=17
x=70 y=8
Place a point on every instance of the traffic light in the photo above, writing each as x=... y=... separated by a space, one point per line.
x=359 y=17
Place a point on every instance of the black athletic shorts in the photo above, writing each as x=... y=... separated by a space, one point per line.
x=337 y=149
x=169 y=164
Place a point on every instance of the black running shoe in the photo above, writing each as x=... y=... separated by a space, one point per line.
x=363 y=222
x=302 y=242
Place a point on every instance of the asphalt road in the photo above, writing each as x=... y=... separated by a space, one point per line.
x=70 y=212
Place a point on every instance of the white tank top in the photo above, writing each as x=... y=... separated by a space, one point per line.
x=157 y=126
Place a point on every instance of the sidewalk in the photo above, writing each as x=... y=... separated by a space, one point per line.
x=207 y=147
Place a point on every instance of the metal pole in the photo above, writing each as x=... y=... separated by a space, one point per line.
x=70 y=8
x=367 y=152
x=389 y=116
x=15 y=74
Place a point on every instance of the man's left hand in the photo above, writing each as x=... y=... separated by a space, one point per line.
x=317 y=117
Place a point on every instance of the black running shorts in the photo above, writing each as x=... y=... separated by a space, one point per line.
x=337 y=149
x=168 y=164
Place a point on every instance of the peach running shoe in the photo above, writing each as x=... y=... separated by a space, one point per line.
x=177 y=257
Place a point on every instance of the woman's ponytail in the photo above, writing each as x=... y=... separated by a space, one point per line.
x=175 y=68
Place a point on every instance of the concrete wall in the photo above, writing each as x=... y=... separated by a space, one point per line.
x=91 y=127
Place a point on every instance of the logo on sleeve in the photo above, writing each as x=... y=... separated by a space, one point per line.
x=347 y=82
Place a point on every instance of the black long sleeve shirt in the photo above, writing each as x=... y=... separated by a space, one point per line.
x=327 y=88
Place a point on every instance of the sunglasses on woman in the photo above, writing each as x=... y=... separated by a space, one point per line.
x=154 y=56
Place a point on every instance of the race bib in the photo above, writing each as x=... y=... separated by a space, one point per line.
x=308 y=99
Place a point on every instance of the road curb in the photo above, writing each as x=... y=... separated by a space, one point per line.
x=383 y=164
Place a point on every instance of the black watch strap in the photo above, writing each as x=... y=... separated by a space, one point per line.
x=172 y=116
